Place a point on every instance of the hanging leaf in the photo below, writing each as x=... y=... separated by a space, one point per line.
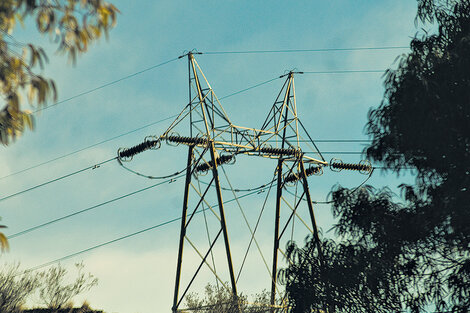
x=4 y=246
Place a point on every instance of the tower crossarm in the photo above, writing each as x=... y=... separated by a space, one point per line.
x=249 y=141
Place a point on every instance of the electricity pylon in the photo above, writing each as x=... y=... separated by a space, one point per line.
x=214 y=140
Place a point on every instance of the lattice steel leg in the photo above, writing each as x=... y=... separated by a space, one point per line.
x=183 y=228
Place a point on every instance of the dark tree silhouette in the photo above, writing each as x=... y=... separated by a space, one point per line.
x=411 y=253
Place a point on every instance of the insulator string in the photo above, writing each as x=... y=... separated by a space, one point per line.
x=364 y=166
x=312 y=170
x=130 y=152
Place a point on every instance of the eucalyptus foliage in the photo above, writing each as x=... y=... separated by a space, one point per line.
x=71 y=24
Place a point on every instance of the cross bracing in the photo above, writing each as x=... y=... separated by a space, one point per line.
x=213 y=141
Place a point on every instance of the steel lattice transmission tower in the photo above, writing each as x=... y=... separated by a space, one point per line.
x=213 y=140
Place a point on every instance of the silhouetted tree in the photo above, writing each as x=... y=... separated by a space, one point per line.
x=73 y=24
x=414 y=253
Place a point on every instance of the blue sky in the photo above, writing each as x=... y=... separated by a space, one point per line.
x=137 y=274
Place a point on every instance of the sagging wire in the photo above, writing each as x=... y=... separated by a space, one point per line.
x=106 y=85
x=150 y=142
x=153 y=142
x=33 y=228
x=290 y=178
x=352 y=191
x=223 y=159
x=311 y=170
x=226 y=159
x=127 y=154
x=86 y=148
x=150 y=176
x=123 y=237
x=364 y=166
x=260 y=188
x=92 y=167
x=336 y=165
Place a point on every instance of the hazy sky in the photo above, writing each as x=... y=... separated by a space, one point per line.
x=137 y=274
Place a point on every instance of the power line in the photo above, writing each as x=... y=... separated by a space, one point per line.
x=100 y=245
x=106 y=85
x=28 y=230
x=214 y=53
x=154 y=123
x=87 y=147
x=246 y=89
x=127 y=236
x=306 y=50
x=114 y=158
x=159 y=121
x=176 y=176
x=350 y=193
x=57 y=179
x=124 y=134
x=339 y=140
x=336 y=152
x=344 y=71
x=135 y=233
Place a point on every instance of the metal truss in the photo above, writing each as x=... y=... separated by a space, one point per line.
x=214 y=140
